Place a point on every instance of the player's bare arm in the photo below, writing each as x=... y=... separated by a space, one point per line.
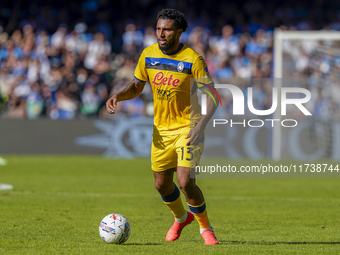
x=196 y=133
x=131 y=91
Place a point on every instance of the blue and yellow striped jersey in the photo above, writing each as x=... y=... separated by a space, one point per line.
x=175 y=101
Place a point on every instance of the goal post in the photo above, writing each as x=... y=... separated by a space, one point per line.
x=278 y=74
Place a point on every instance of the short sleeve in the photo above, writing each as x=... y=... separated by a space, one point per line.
x=140 y=72
x=200 y=72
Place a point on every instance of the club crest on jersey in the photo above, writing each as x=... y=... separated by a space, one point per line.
x=180 y=66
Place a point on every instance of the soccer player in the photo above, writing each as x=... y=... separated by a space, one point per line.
x=178 y=135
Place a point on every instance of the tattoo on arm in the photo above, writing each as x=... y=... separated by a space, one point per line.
x=131 y=91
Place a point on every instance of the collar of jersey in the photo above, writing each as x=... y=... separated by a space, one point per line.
x=175 y=51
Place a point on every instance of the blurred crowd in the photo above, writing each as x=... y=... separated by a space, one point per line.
x=58 y=71
x=60 y=76
x=314 y=65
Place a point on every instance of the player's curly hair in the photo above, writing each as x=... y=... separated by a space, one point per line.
x=177 y=16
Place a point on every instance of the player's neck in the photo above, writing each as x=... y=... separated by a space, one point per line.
x=176 y=48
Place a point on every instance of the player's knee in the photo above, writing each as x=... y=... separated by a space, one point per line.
x=187 y=187
x=158 y=186
x=162 y=188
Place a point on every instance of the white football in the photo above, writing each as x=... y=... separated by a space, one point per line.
x=114 y=228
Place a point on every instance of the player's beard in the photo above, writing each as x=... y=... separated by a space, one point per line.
x=170 y=44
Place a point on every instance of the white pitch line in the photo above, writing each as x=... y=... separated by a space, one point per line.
x=4 y=186
x=3 y=161
x=84 y=194
x=238 y=198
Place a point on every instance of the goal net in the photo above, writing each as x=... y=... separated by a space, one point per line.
x=310 y=60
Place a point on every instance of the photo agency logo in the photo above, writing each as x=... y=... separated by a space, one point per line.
x=238 y=105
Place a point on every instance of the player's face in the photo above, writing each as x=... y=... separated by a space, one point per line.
x=167 y=35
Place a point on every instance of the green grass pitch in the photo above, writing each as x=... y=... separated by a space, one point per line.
x=58 y=201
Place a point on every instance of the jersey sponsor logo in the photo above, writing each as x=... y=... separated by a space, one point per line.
x=160 y=79
x=180 y=67
x=163 y=94
x=155 y=63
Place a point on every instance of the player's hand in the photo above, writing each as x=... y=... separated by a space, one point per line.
x=111 y=104
x=195 y=135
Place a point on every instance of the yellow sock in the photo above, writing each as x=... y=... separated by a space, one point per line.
x=174 y=203
x=200 y=213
